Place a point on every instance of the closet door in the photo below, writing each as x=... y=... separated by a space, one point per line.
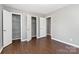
x=29 y=31
x=42 y=27
x=7 y=28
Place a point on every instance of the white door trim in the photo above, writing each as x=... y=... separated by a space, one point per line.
x=20 y=20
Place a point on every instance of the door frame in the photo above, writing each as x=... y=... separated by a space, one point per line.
x=50 y=24
x=20 y=20
x=37 y=29
x=47 y=25
x=36 y=25
x=37 y=18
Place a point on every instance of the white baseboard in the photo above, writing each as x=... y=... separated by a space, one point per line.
x=74 y=45
x=23 y=40
x=1 y=49
x=38 y=37
x=29 y=40
x=33 y=36
x=16 y=39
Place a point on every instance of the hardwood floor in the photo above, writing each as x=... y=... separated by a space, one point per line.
x=39 y=46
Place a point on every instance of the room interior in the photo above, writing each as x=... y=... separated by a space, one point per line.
x=39 y=28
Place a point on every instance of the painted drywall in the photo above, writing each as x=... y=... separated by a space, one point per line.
x=1 y=26
x=38 y=27
x=24 y=27
x=29 y=31
x=42 y=27
x=65 y=24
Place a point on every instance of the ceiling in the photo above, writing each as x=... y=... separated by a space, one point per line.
x=41 y=9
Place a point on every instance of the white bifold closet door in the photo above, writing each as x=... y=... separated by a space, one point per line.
x=42 y=27
x=7 y=28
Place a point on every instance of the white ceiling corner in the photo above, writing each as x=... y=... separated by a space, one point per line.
x=40 y=9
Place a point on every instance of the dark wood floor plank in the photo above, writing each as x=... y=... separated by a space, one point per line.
x=39 y=46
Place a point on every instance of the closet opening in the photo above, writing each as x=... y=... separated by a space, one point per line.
x=48 y=26
x=33 y=27
x=16 y=27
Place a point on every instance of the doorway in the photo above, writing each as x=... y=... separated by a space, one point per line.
x=16 y=26
x=49 y=26
x=33 y=26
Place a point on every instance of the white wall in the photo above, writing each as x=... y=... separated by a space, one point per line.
x=24 y=27
x=38 y=27
x=29 y=31
x=0 y=26
x=65 y=24
x=42 y=27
